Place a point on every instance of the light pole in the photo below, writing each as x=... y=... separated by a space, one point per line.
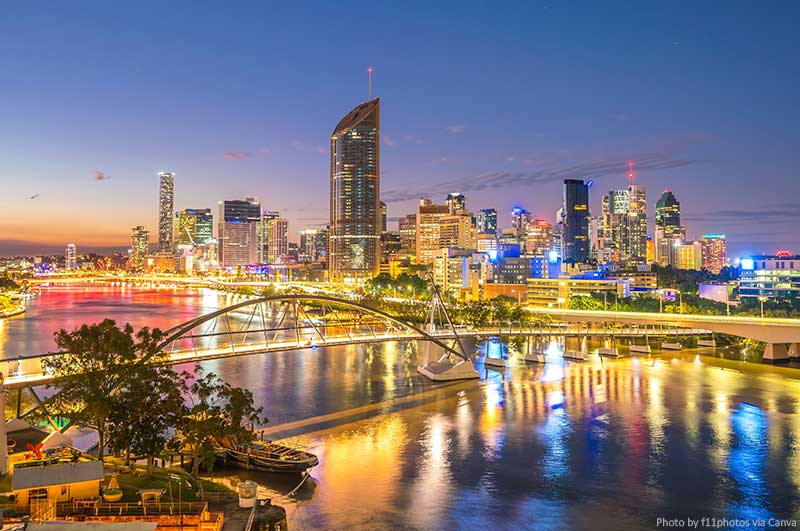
x=680 y=299
x=761 y=300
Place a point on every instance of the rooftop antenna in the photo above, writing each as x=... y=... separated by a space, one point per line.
x=369 y=72
x=630 y=171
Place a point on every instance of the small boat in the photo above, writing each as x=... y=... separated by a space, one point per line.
x=267 y=456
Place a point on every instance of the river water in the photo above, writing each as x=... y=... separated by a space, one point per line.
x=605 y=444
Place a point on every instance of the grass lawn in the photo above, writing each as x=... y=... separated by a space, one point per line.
x=130 y=483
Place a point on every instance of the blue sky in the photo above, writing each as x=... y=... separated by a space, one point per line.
x=500 y=101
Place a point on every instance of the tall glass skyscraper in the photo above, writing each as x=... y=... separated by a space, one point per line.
x=166 y=196
x=575 y=239
x=238 y=225
x=668 y=232
x=487 y=221
x=355 y=212
x=140 y=245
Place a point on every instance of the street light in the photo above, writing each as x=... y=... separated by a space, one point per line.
x=761 y=300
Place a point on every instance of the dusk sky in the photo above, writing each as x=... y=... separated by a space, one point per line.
x=498 y=102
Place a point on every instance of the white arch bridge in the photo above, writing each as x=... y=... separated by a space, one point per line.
x=299 y=321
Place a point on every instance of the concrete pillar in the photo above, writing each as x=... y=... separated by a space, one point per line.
x=776 y=352
x=3 y=434
x=794 y=350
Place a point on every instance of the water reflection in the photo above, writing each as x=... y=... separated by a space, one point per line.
x=605 y=444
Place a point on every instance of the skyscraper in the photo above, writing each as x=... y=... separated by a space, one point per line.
x=70 y=259
x=487 y=221
x=636 y=248
x=355 y=213
x=428 y=230
x=238 y=224
x=520 y=219
x=314 y=244
x=277 y=241
x=575 y=239
x=668 y=231
x=263 y=234
x=455 y=202
x=715 y=255
x=383 y=217
x=195 y=226
x=166 y=197
x=140 y=245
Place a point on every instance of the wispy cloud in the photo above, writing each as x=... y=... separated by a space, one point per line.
x=241 y=155
x=388 y=141
x=455 y=129
x=101 y=176
x=545 y=173
x=306 y=148
x=776 y=213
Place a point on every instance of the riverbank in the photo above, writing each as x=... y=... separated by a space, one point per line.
x=17 y=310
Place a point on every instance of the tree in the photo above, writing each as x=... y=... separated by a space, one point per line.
x=217 y=411
x=98 y=361
x=145 y=409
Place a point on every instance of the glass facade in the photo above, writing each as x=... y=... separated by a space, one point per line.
x=166 y=195
x=775 y=277
x=575 y=246
x=355 y=212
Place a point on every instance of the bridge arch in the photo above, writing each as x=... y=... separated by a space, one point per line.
x=297 y=319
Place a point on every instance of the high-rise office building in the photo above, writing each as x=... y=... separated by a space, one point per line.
x=455 y=202
x=539 y=238
x=194 y=227
x=314 y=244
x=408 y=236
x=70 y=258
x=428 y=230
x=262 y=244
x=355 y=212
x=237 y=230
x=487 y=221
x=383 y=217
x=166 y=200
x=575 y=238
x=668 y=234
x=689 y=255
x=140 y=246
x=277 y=240
x=457 y=230
x=715 y=255
x=636 y=221
x=520 y=219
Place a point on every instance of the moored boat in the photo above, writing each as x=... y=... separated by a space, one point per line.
x=267 y=456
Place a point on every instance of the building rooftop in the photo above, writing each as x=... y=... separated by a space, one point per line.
x=357 y=115
x=31 y=477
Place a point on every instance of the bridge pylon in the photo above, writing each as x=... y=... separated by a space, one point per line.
x=444 y=366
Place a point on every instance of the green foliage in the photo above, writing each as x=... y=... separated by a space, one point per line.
x=98 y=360
x=405 y=286
x=687 y=280
x=8 y=284
x=217 y=411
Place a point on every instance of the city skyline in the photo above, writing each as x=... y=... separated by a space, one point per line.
x=82 y=166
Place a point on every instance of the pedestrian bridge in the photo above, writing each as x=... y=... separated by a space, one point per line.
x=282 y=323
x=782 y=336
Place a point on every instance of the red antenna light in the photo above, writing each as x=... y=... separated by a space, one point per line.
x=369 y=73
x=630 y=170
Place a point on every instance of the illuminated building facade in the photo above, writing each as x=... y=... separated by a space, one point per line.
x=70 y=258
x=575 y=208
x=263 y=234
x=193 y=227
x=689 y=255
x=355 y=212
x=774 y=277
x=277 y=240
x=140 y=246
x=715 y=255
x=539 y=238
x=668 y=231
x=455 y=202
x=408 y=236
x=238 y=225
x=487 y=221
x=314 y=245
x=166 y=199
x=428 y=230
x=456 y=230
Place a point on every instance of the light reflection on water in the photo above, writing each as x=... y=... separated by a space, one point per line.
x=605 y=444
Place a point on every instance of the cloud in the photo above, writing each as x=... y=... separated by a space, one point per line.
x=34 y=196
x=388 y=141
x=101 y=176
x=306 y=148
x=241 y=155
x=777 y=213
x=545 y=173
x=455 y=129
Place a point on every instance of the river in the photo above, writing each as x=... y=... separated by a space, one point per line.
x=605 y=444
